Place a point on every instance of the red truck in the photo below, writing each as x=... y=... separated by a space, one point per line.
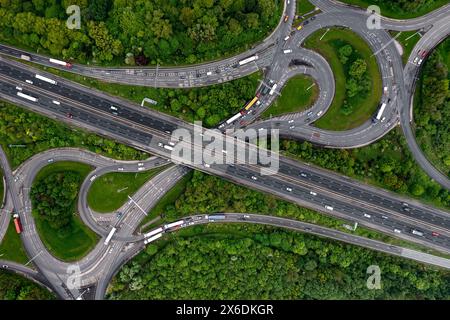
x=17 y=223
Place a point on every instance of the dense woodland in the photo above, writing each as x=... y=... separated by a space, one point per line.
x=139 y=31
x=432 y=110
x=29 y=133
x=14 y=287
x=387 y=163
x=270 y=264
x=357 y=83
x=54 y=198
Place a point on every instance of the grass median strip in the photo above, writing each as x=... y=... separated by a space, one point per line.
x=110 y=191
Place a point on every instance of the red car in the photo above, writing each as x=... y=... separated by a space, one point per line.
x=424 y=53
x=69 y=115
x=435 y=234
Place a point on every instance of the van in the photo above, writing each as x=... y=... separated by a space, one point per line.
x=417 y=233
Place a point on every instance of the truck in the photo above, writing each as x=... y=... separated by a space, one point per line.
x=25 y=57
x=216 y=217
x=234 y=118
x=151 y=239
x=61 y=63
x=110 y=235
x=25 y=96
x=272 y=91
x=45 y=79
x=247 y=60
x=174 y=225
x=380 y=112
x=17 y=223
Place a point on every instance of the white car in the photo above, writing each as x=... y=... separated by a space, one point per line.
x=141 y=169
x=120 y=169
x=93 y=178
x=416 y=59
x=254 y=178
x=287 y=51
x=29 y=81
x=367 y=215
x=114 y=108
x=19 y=88
x=313 y=193
x=420 y=62
x=140 y=164
x=287 y=38
x=329 y=208
x=207 y=165
x=160 y=145
x=319 y=113
x=290 y=121
x=291 y=127
x=50 y=160
x=56 y=102
x=397 y=231
x=304 y=175
x=289 y=189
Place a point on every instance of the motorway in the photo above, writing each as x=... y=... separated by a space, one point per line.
x=145 y=129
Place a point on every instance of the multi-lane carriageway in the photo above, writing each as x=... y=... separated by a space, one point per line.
x=145 y=129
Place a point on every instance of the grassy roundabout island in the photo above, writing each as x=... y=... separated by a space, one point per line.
x=357 y=77
x=300 y=93
x=54 y=196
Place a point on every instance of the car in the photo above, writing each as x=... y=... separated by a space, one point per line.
x=5 y=266
x=50 y=160
x=291 y=127
x=299 y=27
x=319 y=113
x=289 y=189
x=254 y=178
x=329 y=208
x=309 y=114
x=383 y=119
x=287 y=51
x=172 y=143
x=305 y=23
x=286 y=38
x=313 y=18
x=207 y=165
x=140 y=164
x=29 y=81
x=111 y=250
x=416 y=59
x=19 y=88
x=209 y=73
x=435 y=234
x=114 y=113
x=304 y=175
x=290 y=121
x=93 y=178
x=160 y=144
x=69 y=115
x=307 y=119
x=397 y=231
x=313 y=193
x=420 y=62
x=367 y=215
x=424 y=53
x=246 y=216
x=286 y=18
x=114 y=108
x=141 y=169
x=120 y=169
x=384 y=217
